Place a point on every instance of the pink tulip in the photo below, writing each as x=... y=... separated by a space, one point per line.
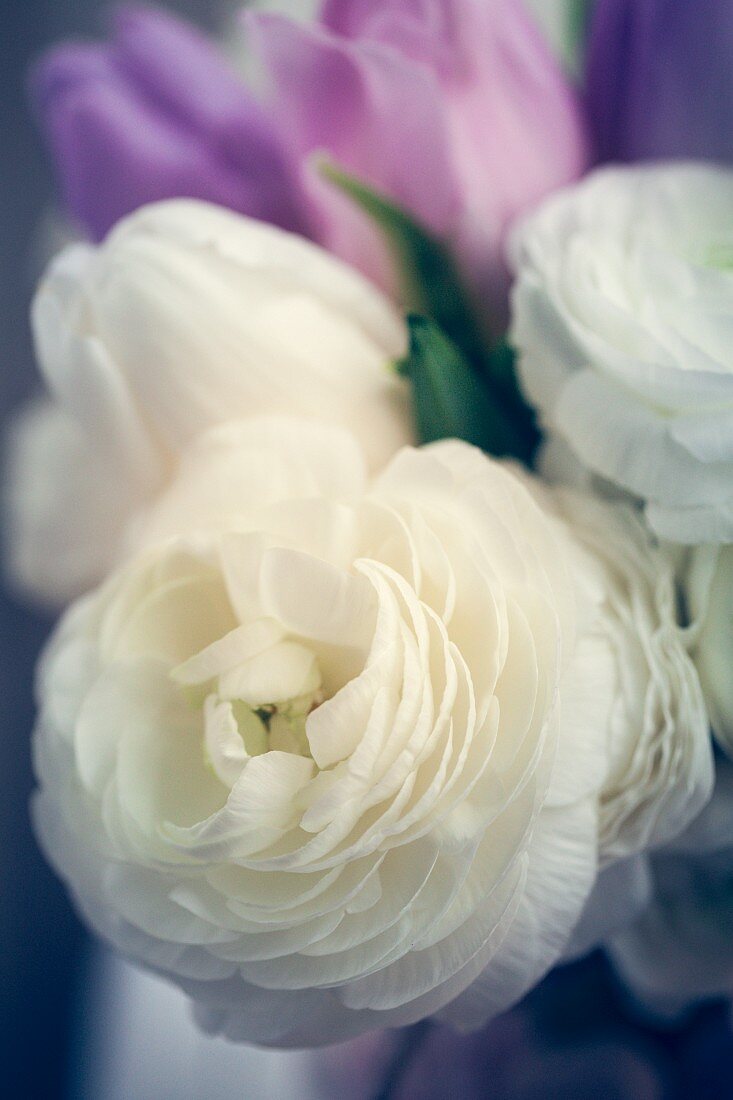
x=455 y=109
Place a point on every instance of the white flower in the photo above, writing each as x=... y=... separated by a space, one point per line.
x=185 y=317
x=623 y=318
x=333 y=752
x=639 y=682
x=680 y=950
x=709 y=592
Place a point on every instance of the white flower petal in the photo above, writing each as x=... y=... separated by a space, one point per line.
x=623 y=329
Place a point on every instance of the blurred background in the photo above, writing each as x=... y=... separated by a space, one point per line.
x=574 y=1038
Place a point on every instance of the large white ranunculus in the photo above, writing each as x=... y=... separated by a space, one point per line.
x=186 y=316
x=622 y=319
x=639 y=682
x=334 y=752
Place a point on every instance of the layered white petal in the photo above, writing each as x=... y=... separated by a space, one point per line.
x=623 y=327
x=660 y=772
x=708 y=583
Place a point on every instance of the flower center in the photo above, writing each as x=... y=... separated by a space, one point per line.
x=261 y=706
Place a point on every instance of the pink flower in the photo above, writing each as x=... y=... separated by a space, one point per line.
x=455 y=109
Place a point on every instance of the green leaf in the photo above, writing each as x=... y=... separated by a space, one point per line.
x=450 y=398
x=431 y=284
x=501 y=377
x=461 y=388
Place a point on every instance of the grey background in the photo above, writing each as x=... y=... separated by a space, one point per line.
x=42 y=946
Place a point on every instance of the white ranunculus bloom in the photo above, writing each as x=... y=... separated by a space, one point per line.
x=679 y=952
x=340 y=753
x=709 y=591
x=639 y=677
x=186 y=316
x=623 y=323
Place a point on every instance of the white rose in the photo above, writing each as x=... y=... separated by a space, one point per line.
x=186 y=316
x=332 y=752
x=679 y=952
x=622 y=319
x=709 y=592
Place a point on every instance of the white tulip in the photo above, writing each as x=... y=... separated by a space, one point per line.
x=335 y=752
x=623 y=315
x=186 y=316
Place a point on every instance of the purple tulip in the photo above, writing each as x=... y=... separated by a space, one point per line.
x=156 y=114
x=455 y=109
x=660 y=79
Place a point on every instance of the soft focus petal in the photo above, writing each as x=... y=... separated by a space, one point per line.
x=238 y=317
x=186 y=317
x=340 y=98
x=622 y=324
x=660 y=80
x=455 y=109
x=157 y=114
x=48 y=556
x=621 y=894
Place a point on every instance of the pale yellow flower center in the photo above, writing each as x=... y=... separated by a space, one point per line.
x=259 y=706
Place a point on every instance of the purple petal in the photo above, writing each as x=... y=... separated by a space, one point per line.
x=155 y=115
x=660 y=79
x=177 y=67
x=64 y=68
x=113 y=155
x=355 y=18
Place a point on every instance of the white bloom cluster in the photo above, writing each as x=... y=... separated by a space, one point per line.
x=622 y=313
x=333 y=751
x=355 y=733
x=622 y=317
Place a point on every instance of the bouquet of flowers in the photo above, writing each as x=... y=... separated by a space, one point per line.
x=386 y=467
